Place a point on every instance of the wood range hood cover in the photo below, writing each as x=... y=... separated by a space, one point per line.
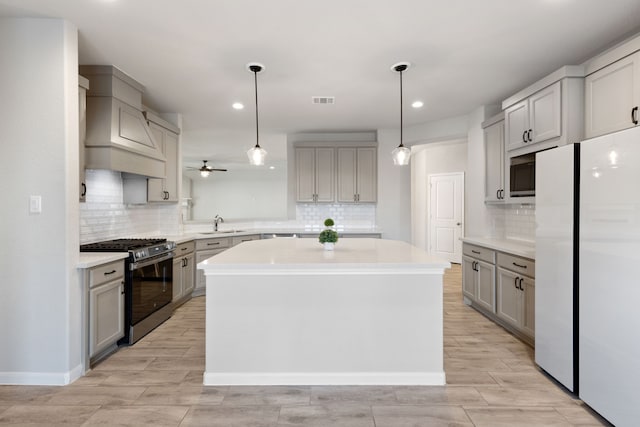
x=118 y=136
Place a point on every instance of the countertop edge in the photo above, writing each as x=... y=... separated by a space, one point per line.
x=514 y=247
x=93 y=259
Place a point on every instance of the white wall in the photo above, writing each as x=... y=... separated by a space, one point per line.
x=428 y=159
x=241 y=195
x=40 y=305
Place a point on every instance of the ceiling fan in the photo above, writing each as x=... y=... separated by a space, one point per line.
x=205 y=170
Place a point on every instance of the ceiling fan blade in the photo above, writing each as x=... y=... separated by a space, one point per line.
x=218 y=170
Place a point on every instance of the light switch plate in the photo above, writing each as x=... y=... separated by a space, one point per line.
x=35 y=204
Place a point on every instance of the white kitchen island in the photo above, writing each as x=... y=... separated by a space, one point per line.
x=286 y=312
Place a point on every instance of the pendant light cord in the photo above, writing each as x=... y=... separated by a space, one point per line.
x=401 y=126
x=255 y=76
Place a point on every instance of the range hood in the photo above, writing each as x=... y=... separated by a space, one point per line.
x=118 y=136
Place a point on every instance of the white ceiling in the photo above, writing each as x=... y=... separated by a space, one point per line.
x=191 y=57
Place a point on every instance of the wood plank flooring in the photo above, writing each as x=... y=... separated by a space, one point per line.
x=492 y=381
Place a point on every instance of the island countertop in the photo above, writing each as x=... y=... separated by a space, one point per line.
x=302 y=254
x=287 y=312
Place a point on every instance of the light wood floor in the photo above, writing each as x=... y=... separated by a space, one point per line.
x=492 y=381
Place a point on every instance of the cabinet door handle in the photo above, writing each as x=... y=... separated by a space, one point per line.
x=497 y=194
x=213 y=244
x=529 y=135
x=184 y=249
x=108 y=273
x=515 y=282
x=518 y=265
x=84 y=189
x=475 y=252
x=524 y=136
x=520 y=285
x=634 y=115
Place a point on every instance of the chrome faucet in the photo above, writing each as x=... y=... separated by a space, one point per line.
x=217 y=220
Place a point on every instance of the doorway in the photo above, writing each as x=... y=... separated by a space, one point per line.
x=445 y=215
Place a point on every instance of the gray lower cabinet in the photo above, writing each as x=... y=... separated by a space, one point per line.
x=516 y=293
x=479 y=276
x=106 y=308
x=502 y=287
x=184 y=268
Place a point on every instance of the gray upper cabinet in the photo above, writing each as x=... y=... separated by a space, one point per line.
x=612 y=97
x=167 y=136
x=534 y=119
x=357 y=175
x=548 y=113
x=315 y=174
x=494 y=159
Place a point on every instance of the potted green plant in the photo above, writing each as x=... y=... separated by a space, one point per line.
x=328 y=237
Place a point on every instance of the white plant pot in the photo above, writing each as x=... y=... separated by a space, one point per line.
x=328 y=246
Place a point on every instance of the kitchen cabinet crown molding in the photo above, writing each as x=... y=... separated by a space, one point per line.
x=615 y=53
x=568 y=71
x=493 y=120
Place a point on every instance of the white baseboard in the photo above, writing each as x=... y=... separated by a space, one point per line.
x=41 y=378
x=303 y=378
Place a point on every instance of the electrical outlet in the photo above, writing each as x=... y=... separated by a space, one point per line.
x=35 y=204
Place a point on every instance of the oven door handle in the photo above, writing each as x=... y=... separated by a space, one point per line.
x=151 y=261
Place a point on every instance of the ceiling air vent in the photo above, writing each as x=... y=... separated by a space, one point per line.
x=323 y=99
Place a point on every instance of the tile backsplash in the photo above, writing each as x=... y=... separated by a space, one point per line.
x=344 y=215
x=104 y=215
x=517 y=222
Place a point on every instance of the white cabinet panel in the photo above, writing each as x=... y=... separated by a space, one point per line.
x=611 y=95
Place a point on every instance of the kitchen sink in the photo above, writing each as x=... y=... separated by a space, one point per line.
x=221 y=232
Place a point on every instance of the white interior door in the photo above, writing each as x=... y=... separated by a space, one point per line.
x=446 y=211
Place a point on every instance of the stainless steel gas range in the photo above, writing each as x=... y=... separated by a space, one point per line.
x=148 y=282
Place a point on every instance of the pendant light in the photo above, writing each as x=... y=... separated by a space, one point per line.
x=401 y=154
x=256 y=154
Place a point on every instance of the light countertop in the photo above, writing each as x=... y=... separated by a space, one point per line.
x=294 y=255
x=93 y=259
x=515 y=247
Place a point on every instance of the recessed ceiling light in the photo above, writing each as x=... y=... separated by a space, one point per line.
x=272 y=167
x=238 y=105
x=417 y=104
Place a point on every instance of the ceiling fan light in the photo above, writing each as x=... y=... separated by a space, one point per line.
x=204 y=174
x=401 y=155
x=257 y=155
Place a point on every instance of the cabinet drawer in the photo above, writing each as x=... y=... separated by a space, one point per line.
x=517 y=264
x=239 y=239
x=204 y=244
x=478 y=252
x=185 y=248
x=106 y=273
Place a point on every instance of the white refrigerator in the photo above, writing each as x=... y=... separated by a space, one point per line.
x=587 y=291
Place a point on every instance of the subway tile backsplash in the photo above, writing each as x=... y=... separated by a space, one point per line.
x=345 y=215
x=517 y=222
x=104 y=216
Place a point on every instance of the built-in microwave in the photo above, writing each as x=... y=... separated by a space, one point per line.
x=522 y=176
